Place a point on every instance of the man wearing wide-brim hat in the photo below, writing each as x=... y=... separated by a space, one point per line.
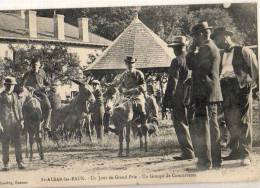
x=174 y=97
x=132 y=85
x=239 y=78
x=204 y=61
x=98 y=109
x=11 y=122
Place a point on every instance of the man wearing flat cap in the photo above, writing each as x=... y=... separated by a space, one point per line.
x=204 y=61
x=239 y=79
x=11 y=123
x=132 y=84
x=36 y=78
x=98 y=109
x=174 y=97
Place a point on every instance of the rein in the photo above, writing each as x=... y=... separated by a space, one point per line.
x=120 y=98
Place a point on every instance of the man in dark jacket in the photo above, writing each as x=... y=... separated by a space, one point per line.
x=98 y=109
x=36 y=79
x=239 y=79
x=175 y=96
x=11 y=123
x=204 y=60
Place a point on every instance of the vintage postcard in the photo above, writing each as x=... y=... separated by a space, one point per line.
x=129 y=95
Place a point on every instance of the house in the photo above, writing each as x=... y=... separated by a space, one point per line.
x=151 y=52
x=23 y=27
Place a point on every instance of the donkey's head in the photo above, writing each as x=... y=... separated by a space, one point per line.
x=111 y=96
x=85 y=91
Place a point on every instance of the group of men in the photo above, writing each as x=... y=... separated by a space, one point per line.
x=11 y=117
x=228 y=79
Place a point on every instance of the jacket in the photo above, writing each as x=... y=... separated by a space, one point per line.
x=205 y=67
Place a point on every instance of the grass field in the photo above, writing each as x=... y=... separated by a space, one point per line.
x=100 y=160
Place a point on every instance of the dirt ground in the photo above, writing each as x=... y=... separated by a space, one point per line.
x=98 y=164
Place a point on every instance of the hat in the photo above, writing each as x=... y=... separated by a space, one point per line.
x=220 y=31
x=199 y=27
x=95 y=82
x=10 y=80
x=35 y=60
x=179 y=41
x=130 y=59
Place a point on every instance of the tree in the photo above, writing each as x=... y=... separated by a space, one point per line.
x=58 y=63
x=245 y=18
x=106 y=22
x=218 y=17
x=168 y=21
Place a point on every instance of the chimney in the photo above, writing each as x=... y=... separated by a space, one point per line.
x=20 y=13
x=83 y=29
x=31 y=23
x=59 y=27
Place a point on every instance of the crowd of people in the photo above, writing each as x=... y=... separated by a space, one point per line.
x=229 y=79
x=200 y=79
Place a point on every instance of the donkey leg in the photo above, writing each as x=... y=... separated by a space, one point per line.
x=31 y=144
x=141 y=142
x=39 y=147
x=26 y=144
x=127 y=139
x=38 y=140
x=145 y=140
x=88 y=124
x=121 y=138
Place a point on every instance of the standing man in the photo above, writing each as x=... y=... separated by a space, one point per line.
x=11 y=123
x=175 y=97
x=36 y=79
x=98 y=109
x=204 y=60
x=239 y=79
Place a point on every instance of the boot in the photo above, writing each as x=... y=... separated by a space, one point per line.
x=46 y=124
x=20 y=165
x=6 y=167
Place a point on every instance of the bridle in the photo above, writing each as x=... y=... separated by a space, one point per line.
x=119 y=100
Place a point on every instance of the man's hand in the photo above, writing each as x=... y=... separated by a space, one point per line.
x=1 y=128
x=22 y=124
x=164 y=109
x=30 y=89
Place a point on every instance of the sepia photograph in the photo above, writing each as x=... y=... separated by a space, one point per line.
x=129 y=95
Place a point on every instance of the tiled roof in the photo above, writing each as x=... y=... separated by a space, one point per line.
x=139 y=41
x=13 y=26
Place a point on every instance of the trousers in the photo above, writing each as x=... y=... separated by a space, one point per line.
x=181 y=126
x=207 y=133
x=13 y=135
x=237 y=106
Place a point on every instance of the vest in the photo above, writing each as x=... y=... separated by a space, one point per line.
x=241 y=68
x=239 y=63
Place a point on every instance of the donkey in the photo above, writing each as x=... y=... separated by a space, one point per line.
x=122 y=116
x=33 y=119
x=72 y=116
